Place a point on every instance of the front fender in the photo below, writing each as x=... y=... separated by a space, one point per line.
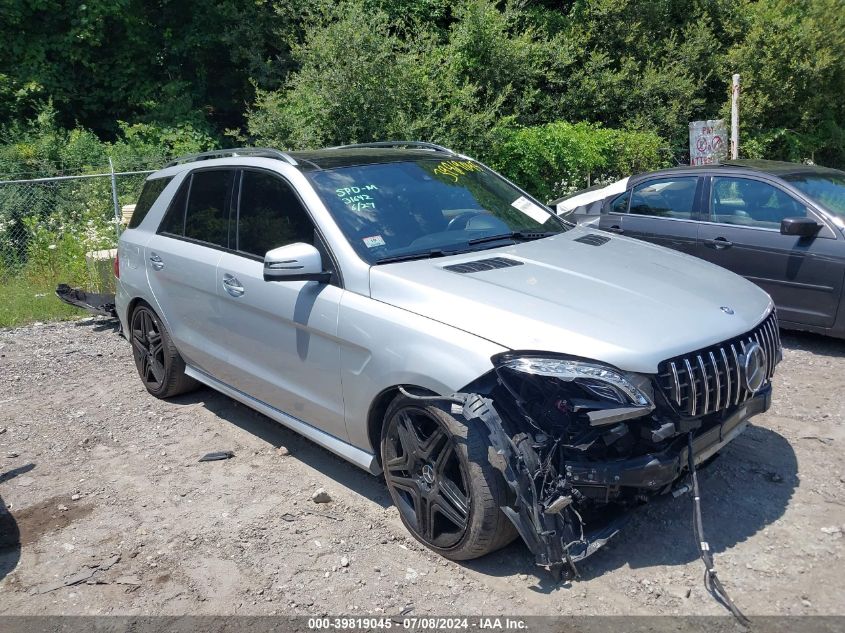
x=383 y=346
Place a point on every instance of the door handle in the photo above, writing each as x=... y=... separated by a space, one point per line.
x=232 y=285
x=156 y=262
x=614 y=229
x=719 y=243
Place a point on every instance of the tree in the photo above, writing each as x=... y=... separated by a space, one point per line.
x=165 y=61
x=792 y=61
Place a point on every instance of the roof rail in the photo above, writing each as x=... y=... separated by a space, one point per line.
x=411 y=144
x=259 y=152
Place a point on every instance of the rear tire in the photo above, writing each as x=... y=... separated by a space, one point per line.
x=440 y=478
x=159 y=364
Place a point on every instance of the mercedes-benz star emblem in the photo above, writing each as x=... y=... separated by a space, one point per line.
x=428 y=474
x=727 y=310
x=754 y=367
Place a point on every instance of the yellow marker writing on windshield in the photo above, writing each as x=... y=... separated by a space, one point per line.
x=455 y=168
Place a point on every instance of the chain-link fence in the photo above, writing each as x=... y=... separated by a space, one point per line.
x=59 y=230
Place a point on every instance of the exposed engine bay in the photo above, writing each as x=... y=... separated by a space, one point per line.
x=578 y=452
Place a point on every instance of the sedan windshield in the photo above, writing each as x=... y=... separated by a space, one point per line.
x=427 y=208
x=827 y=189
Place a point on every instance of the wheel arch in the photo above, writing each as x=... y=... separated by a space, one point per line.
x=378 y=407
x=134 y=303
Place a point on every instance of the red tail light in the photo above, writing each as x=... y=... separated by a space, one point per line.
x=117 y=265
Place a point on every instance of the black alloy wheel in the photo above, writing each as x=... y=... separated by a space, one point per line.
x=427 y=478
x=148 y=349
x=161 y=368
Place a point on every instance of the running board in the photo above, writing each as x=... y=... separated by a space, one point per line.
x=362 y=459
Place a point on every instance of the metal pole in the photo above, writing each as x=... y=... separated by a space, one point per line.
x=735 y=117
x=114 y=199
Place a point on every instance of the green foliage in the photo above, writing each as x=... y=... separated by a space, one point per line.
x=46 y=228
x=140 y=81
x=792 y=60
x=25 y=301
x=42 y=147
x=362 y=84
x=353 y=83
x=157 y=61
x=559 y=158
x=313 y=72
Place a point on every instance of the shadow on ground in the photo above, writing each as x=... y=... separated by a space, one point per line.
x=10 y=534
x=100 y=324
x=815 y=343
x=746 y=488
x=343 y=473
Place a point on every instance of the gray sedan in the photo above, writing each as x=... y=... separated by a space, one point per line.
x=777 y=224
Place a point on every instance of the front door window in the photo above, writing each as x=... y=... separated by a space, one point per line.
x=754 y=203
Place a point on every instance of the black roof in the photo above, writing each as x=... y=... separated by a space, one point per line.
x=331 y=158
x=777 y=168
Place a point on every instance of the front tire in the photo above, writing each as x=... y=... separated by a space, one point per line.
x=441 y=480
x=159 y=364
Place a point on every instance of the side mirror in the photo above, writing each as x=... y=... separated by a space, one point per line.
x=801 y=227
x=295 y=262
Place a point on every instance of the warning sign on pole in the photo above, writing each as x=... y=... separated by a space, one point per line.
x=708 y=142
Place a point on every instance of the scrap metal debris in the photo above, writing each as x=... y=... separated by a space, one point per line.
x=96 y=303
x=216 y=456
x=77 y=578
x=824 y=440
x=325 y=515
x=711 y=580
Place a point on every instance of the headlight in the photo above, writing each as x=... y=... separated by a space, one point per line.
x=604 y=382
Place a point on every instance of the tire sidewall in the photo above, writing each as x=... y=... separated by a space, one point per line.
x=166 y=347
x=476 y=475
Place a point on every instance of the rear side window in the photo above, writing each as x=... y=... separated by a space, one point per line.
x=207 y=214
x=620 y=204
x=270 y=215
x=149 y=194
x=205 y=196
x=174 y=220
x=665 y=198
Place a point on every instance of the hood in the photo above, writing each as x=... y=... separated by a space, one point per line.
x=623 y=302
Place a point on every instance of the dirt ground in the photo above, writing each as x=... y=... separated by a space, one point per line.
x=101 y=487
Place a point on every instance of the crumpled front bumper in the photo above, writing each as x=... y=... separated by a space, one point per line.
x=561 y=537
x=655 y=471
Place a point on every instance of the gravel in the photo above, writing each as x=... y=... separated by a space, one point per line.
x=104 y=508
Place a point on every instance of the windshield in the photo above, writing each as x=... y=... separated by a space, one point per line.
x=827 y=189
x=430 y=207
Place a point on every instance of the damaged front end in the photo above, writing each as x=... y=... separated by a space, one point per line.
x=580 y=443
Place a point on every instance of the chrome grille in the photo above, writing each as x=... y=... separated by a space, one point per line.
x=711 y=379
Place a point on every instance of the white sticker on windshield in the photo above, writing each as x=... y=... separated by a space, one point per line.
x=531 y=209
x=373 y=241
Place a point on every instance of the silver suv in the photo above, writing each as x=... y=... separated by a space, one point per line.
x=412 y=311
